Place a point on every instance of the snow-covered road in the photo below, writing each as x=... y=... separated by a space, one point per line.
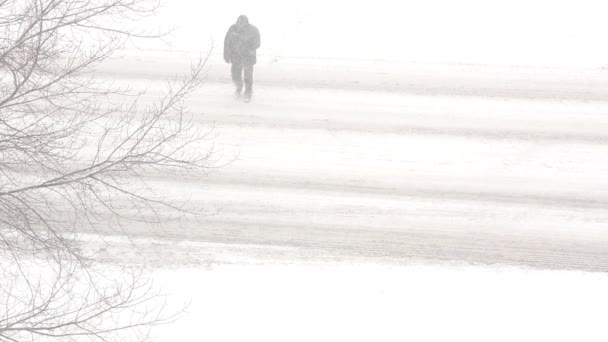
x=364 y=199
x=478 y=173
x=362 y=204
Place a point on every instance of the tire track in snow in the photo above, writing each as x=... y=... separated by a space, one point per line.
x=260 y=203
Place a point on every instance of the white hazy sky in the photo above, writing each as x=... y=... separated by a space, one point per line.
x=515 y=32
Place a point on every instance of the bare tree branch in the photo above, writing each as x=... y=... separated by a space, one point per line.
x=74 y=151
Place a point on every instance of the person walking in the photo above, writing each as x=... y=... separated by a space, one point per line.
x=240 y=45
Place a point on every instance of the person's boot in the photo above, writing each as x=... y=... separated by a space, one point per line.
x=247 y=97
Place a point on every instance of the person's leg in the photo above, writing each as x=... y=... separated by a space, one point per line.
x=248 y=79
x=237 y=70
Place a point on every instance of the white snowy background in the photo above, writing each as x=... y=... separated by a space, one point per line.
x=518 y=32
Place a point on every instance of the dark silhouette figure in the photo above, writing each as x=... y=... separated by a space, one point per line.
x=240 y=45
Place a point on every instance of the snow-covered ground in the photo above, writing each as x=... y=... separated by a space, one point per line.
x=458 y=202
x=384 y=303
x=373 y=193
x=483 y=175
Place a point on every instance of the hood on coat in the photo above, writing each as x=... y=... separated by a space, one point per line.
x=243 y=18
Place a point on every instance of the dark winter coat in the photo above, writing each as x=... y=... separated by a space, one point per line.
x=241 y=43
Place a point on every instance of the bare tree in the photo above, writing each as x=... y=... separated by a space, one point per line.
x=74 y=151
x=61 y=304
